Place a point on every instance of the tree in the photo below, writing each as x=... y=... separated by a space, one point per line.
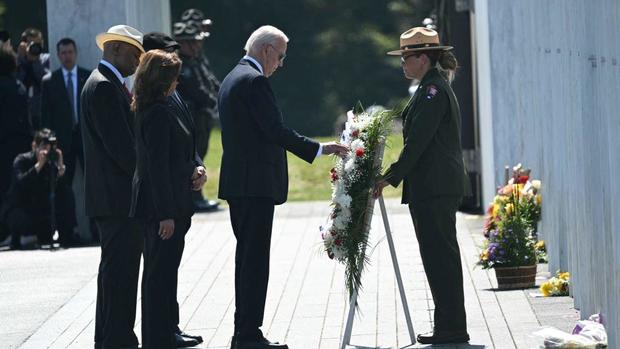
x=336 y=55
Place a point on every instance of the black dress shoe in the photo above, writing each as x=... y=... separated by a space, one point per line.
x=443 y=338
x=185 y=342
x=262 y=343
x=187 y=335
x=206 y=205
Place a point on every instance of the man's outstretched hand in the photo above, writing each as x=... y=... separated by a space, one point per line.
x=334 y=148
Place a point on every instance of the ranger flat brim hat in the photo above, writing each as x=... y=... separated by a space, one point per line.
x=123 y=33
x=189 y=30
x=419 y=39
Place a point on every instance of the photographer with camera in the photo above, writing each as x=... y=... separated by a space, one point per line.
x=34 y=64
x=39 y=201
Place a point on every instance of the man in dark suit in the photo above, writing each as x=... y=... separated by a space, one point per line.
x=60 y=99
x=110 y=159
x=254 y=174
x=60 y=108
x=161 y=41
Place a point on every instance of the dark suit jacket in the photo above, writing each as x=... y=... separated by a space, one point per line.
x=255 y=138
x=165 y=163
x=57 y=115
x=181 y=110
x=109 y=151
x=431 y=162
x=15 y=128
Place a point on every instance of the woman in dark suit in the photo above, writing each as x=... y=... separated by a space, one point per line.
x=166 y=173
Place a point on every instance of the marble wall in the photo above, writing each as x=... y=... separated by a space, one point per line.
x=548 y=74
x=82 y=20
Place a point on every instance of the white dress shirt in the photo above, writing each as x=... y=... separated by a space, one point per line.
x=114 y=70
x=74 y=81
x=260 y=69
x=251 y=59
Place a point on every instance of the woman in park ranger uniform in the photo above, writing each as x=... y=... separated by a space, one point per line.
x=431 y=167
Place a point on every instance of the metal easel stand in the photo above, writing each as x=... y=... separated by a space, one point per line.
x=346 y=339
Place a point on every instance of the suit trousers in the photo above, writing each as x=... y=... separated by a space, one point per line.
x=251 y=219
x=435 y=226
x=159 y=284
x=117 y=282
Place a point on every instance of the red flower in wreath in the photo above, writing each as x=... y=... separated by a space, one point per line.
x=359 y=152
x=521 y=179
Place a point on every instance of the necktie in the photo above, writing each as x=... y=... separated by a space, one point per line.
x=71 y=96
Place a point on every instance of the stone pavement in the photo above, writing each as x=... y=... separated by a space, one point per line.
x=47 y=298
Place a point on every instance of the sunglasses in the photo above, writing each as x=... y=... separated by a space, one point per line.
x=403 y=59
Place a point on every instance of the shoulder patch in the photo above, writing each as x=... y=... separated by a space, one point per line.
x=431 y=91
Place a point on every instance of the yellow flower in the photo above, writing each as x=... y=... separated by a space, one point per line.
x=539 y=199
x=540 y=245
x=495 y=210
x=546 y=288
x=484 y=255
x=509 y=208
x=564 y=276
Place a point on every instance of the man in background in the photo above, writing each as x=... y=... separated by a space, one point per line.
x=60 y=110
x=39 y=201
x=15 y=128
x=198 y=86
x=33 y=65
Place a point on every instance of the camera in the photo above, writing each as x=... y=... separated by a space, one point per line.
x=52 y=157
x=34 y=48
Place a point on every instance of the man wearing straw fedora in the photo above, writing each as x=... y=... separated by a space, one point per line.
x=431 y=168
x=109 y=156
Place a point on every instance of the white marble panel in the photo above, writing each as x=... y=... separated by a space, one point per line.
x=554 y=72
x=82 y=20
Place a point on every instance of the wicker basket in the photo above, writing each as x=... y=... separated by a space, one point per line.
x=515 y=277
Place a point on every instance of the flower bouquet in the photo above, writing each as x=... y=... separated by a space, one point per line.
x=557 y=285
x=345 y=235
x=511 y=231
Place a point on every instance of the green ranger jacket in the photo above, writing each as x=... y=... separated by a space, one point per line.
x=431 y=162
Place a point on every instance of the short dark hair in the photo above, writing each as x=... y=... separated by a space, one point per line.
x=30 y=32
x=42 y=135
x=8 y=61
x=65 y=42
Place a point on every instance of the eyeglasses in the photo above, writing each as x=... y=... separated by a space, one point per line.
x=403 y=59
x=281 y=56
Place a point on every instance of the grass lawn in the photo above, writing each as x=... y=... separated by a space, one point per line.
x=306 y=181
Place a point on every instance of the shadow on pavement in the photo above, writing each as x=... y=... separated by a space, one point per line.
x=422 y=346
